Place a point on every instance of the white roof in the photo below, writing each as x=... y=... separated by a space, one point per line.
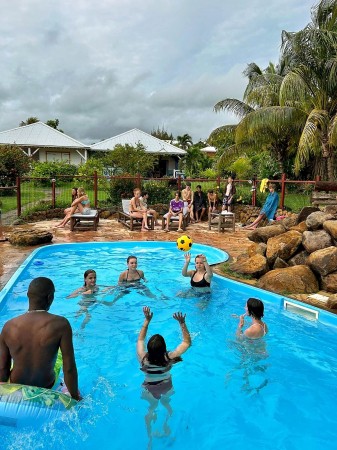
x=39 y=135
x=209 y=149
x=133 y=137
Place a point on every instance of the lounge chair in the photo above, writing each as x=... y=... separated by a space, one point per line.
x=85 y=221
x=174 y=222
x=126 y=219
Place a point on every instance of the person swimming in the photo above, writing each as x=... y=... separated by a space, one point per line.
x=88 y=291
x=201 y=277
x=156 y=363
x=131 y=274
x=258 y=329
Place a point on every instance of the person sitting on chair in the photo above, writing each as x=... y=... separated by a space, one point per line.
x=176 y=210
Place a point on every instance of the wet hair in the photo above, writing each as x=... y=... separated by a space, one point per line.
x=157 y=353
x=198 y=256
x=177 y=192
x=144 y=193
x=272 y=185
x=210 y=191
x=199 y=186
x=255 y=308
x=136 y=190
x=131 y=257
x=88 y=272
x=40 y=291
x=188 y=183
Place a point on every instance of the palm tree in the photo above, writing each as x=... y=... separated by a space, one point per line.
x=264 y=125
x=193 y=161
x=184 y=141
x=310 y=86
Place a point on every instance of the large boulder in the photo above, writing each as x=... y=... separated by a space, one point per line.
x=316 y=240
x=263 y=234
x=280 y=263
x=296 y=279
x=323 y=261
x=316 y=220
x=283 y=246
x=331 y=209
x=300 y=258
x=331 y=227
x=255 y=248
x=305 y=212
x=329 y=282
x=290 y=221
x=300 y=227
x=254 y=266
x=30 y=237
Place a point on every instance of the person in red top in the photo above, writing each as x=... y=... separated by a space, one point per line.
x=176 y=209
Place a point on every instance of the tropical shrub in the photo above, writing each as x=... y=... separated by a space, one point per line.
x=13 y=163
x=86 y=173
x=61 y=171
x=159 y=192
x=120 y=188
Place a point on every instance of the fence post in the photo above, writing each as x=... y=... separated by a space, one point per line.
x=18 y=196
x=283 y=189
x=138 y=180
x=53 y=196
x=179 y=183
x=254 y=184
x=95 y=189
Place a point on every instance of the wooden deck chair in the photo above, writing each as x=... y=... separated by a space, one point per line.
x=132 y=222
x=85 y=221
x=174 y=222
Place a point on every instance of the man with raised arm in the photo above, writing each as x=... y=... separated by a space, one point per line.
x=30 y=343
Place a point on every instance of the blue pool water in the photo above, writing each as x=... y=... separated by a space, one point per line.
x=276 y=394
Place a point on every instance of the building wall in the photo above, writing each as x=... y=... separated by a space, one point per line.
x=69 y=155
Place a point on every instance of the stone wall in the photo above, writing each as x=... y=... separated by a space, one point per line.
x=295 y=255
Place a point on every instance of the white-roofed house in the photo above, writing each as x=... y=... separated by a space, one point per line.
x=169 y=154
x=44 y=143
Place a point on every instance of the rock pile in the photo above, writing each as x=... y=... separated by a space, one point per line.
x=296 y=255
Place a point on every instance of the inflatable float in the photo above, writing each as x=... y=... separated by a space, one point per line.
x=22 y=405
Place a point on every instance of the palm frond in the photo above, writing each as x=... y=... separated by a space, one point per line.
x=332 y=136
x=310 y=141
x=226 y=131
x=233 y=105
x=294 y=91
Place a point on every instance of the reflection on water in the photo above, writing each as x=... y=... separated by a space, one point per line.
x=251 y=363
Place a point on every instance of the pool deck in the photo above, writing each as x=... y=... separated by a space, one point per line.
x=109 y=230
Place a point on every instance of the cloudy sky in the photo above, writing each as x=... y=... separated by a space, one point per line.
x=105 y=67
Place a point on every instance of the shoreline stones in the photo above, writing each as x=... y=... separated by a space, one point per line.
x=300 y=253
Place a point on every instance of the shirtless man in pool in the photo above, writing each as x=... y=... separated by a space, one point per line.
x=32 y=341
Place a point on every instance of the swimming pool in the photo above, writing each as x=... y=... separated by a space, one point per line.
x=227 y=395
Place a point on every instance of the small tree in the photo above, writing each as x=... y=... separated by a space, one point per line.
x=13 y=163
x=130 y=159
x=61 y=170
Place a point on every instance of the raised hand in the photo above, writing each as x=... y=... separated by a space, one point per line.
x=179 y=316
x=187 y=257
x=147 y=313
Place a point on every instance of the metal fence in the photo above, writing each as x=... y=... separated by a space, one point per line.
x=27 y=192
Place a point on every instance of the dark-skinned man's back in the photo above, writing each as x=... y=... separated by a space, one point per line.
x=32 y=341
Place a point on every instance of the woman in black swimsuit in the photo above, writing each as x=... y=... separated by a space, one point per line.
x=201 y=277
x=131 y=274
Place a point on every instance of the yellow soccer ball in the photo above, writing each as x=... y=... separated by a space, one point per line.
x=184 y=243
